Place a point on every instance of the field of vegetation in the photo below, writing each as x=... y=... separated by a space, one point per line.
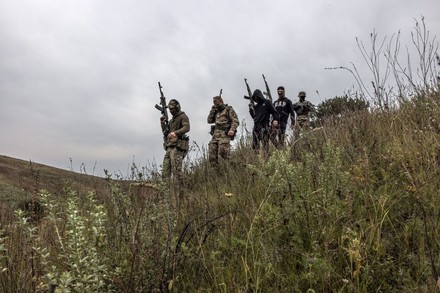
x=352 y=205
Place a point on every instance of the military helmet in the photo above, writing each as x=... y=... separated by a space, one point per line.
x=302 y=94
x=173 y=103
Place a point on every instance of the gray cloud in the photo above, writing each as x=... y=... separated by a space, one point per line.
x=78 y=79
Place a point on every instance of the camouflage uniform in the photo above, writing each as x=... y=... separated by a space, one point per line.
x=225 y=119
x=176 y=148
x=302 y=109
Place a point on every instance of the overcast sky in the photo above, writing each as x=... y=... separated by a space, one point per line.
x=78 y=78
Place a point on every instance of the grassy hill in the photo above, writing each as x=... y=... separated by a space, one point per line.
x=20 y=180
x=350 y=206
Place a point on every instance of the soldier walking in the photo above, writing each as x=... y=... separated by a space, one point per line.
x=225 y=126
x=302 y=109
x=176 y=143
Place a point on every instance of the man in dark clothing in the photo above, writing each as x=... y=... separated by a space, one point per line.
x=284 y=107
x=261 y=112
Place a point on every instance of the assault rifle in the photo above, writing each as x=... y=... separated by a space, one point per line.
x=249 y=96
x=267 y=93
x=163 y=110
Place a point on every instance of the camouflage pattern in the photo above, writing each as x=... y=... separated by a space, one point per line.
x=172 y=163
x=303 y=121
x=302 y=109
x=176 y=148
x=225 y=119
x=179 y=124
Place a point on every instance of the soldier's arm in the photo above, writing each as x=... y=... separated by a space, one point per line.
x=211 y=116
x=185 y=126
x=234 y=119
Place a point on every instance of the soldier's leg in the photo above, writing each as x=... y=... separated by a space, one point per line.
x=213 y=150
x=282 y=134
x=273 y=136
x=256 y=139
x=281 y=138
x=302 y=122
x=224 y=150
x=306 y=125
x=166 y=165
x=176 y=169
x=265 y=140
x=176 y=158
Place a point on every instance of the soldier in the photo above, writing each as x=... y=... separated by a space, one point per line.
x=284 y=107
x=261 y=113
x=302 y=109
x=224 y=129
x=176 y=143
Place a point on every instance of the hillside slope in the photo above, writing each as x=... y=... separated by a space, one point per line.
x=19 y=179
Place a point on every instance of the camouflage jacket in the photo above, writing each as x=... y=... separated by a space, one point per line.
x=303 y=108
x=179 y=124
x=224 y=120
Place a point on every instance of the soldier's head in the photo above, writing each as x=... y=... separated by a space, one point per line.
x=218 y=101
x=302 y=95
x=174 y=106
x=280 y=91
x=257 y=96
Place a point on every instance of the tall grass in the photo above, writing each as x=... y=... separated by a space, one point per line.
x=352 y=206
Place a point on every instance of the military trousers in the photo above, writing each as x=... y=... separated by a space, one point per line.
x=172 y=163
x=303 y=121
x=219 y=148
